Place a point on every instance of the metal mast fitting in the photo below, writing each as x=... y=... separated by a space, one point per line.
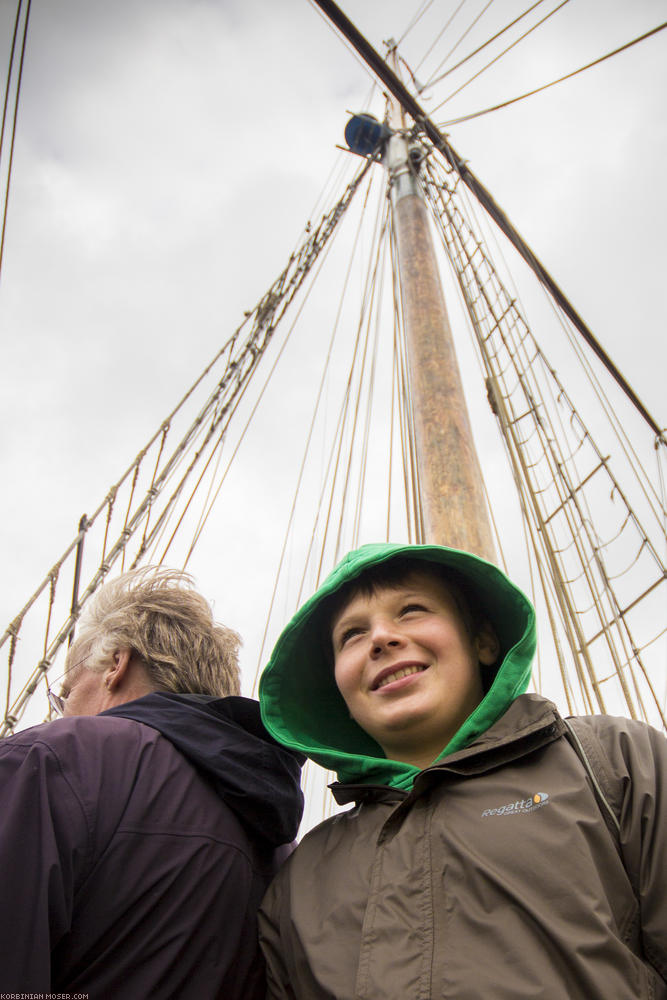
x=451 y=487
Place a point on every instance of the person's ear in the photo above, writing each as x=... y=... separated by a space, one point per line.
x=116 y=673
x=487 y=645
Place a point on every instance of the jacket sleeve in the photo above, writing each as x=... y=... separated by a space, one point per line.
x=44 y=840
x=273 y=940
x=638 y=755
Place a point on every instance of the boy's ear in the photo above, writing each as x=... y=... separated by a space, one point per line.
x=487 y=644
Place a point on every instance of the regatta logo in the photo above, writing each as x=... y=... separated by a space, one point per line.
x=536 y=801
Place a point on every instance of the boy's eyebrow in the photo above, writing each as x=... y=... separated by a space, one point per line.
x=341 y=623
x=345 y=618
x=402 y=594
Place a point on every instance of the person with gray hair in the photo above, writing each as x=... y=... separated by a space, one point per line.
x=141 y=829
x=148 y=630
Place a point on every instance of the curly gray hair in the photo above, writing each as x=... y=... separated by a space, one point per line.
x=159 y=616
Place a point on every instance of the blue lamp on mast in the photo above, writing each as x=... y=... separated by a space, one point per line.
x=364 y=134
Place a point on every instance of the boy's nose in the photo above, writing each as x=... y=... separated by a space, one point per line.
x=383 y=636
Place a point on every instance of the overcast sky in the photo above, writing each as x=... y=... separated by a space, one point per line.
x=167 y=157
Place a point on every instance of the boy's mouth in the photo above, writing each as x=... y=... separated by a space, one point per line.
x=396 y=673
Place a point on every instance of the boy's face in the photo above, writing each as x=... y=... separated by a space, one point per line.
x=407 y=667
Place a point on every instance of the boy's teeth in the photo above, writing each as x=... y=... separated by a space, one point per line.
x=396 y=676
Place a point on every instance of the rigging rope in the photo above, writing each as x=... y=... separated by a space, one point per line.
x=438 y=36
x=376 y=292
x=204 y=518
x=414 y=512
x=500 y=55
x=14 y=116
x=424 y=7
x=361 y=62
x=8 y=82
x=369 y=290
x=640 y=471
x=425 y=124
x=270 y=309
x=335 y=450
x=458 y=42
x=481 y=47
x=211 y=419
x=567 y=76
x=530 y=413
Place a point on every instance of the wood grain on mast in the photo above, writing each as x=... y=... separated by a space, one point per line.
x=450 y=478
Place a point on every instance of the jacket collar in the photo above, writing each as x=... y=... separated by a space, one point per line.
x=530 y=722
x=225 y=740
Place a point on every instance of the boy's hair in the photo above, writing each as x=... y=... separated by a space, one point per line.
x=393 y=573
x=156 y=613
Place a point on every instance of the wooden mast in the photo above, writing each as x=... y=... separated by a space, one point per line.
x=451 y=489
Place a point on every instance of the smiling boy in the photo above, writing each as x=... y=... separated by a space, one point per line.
x=407 y=666
x=476 y=861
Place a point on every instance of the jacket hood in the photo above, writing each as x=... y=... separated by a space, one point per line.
x=224 y=738
x=302 y=707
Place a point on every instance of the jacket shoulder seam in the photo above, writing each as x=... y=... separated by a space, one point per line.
x=592 y=757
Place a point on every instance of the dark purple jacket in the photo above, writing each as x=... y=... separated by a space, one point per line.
x=135 y=847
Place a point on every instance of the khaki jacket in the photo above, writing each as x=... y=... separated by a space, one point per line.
x=496 y=877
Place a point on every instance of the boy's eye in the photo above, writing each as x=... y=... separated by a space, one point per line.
x=348 y=634
x=408 y=608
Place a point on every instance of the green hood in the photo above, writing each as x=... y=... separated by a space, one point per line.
x=300 y=703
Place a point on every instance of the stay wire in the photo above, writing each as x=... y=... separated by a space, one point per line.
x=638 y=467
x=13 y=133
x=641 y=476
x=474 y=215
x=425 y=6
x=355 y=423
x=561 y=79
x=663 y=492
x=309 y=438
x=10 y=70
x=158 y=532
x=218 y=417
x=438 y=37
x=633 y=459
x=538 y=24
x=340 y=169
x=336 y=177
x=414 y=511
x=370 y=397
x=369 y=298
x=615 y=613
x=396 y=381
x=481 y=47
x=398 y=404
x=425 y=124
x=207 y=513
x=458 y=42
x=391 y=435
x=334 y=455
x=340 y=35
